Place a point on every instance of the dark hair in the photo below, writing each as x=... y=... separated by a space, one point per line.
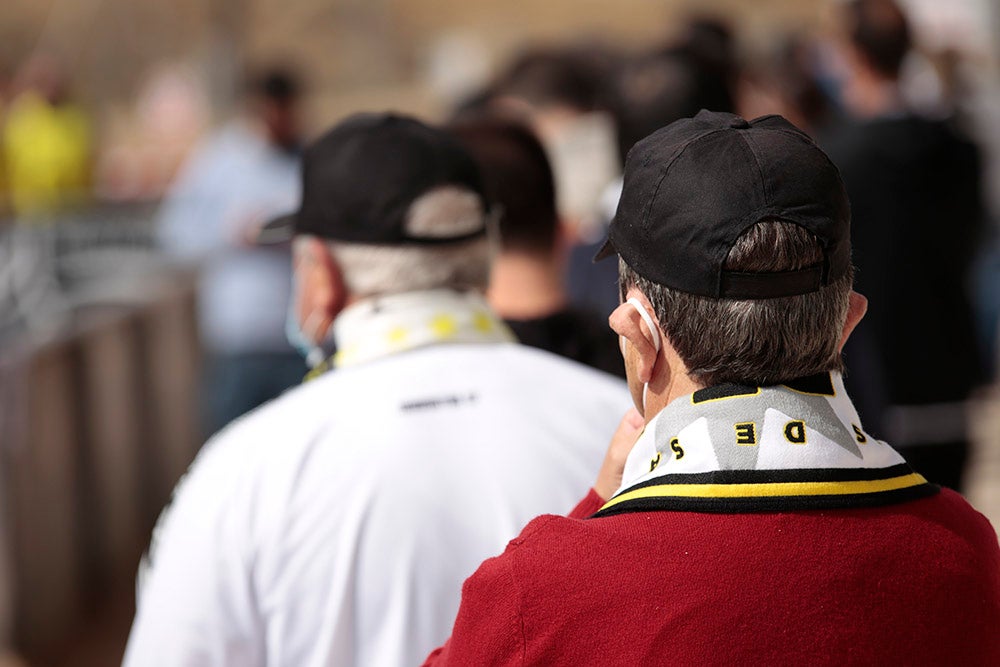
x=654 y=90
x=754 y=342
x=552 y=77
x=788 y=67
x=710 y=40
x=879 y=30
x=517 y=177
x=278 y=85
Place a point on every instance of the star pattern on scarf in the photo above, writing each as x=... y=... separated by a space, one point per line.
x=722 y=415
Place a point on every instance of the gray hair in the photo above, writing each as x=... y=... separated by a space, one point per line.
x=370 y=270
x=760 y=341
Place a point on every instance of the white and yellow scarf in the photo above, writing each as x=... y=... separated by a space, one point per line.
x=384 y=325
x=735 y=449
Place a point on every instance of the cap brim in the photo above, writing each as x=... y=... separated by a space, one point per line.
x=607 y=250
x=278 y=230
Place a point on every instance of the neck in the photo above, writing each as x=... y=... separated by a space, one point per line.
x=525 y=286
x=665 y=388
x=377 y=326
x=871 y=96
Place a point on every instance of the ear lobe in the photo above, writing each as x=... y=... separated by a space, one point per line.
x=856 y=309
x=626 y=321
x=322 y=292
x=338 y=288
x=564 y=236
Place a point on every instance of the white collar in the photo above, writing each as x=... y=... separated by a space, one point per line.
x=378 y=326
x=720 y=428
x=732 y=449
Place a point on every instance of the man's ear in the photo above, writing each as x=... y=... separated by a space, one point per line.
x=856 y=309
x=322 y=293
x=627 y=322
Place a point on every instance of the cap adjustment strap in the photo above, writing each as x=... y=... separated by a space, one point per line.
x=742 y=285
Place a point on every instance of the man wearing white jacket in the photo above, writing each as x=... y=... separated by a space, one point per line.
x=335 y=525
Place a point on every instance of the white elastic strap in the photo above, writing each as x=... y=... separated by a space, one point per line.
x=654 y=332
x=315 y=356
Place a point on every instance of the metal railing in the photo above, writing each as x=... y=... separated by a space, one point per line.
x=49 y=268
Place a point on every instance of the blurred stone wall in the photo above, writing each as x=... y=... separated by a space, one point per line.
x=355 y=52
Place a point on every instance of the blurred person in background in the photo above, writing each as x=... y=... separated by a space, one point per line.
x=335 y=525
x=914 y=185
x=646 y=92
x=562 y=95
x=785 y=80
x=46 y=142
x=559 y=93
x=166 y=120
x=527 y=283
x=708 y=46
x=4 y=101
x=241 y=176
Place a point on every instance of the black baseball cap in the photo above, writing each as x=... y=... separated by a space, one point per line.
x=361 y=177
x=692 y=188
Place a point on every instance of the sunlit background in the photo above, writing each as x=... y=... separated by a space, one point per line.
x=103 y=101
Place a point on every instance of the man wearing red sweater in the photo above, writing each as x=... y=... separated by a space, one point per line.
x=755 y=521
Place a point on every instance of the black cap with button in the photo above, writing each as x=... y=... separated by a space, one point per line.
x=360 y=179
x=692 y=188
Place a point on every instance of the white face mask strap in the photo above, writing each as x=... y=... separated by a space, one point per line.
x=311 y=327
x=653 y=331
x=311 y=330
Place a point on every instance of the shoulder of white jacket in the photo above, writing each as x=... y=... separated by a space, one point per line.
x=590 y=376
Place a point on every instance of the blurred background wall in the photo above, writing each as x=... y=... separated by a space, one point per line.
x=413 y=54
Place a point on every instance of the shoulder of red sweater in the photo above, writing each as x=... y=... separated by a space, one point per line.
x=538 y=525
x=959 y=507
x=544 y=529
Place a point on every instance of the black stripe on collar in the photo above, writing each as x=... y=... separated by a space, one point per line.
x=756 y=505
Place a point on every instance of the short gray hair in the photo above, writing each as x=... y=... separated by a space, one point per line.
x=370 y=270
x=760 y=341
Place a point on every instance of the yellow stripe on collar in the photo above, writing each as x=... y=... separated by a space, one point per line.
x=769 y=489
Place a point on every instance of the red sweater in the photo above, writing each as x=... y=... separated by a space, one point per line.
x=916 y=583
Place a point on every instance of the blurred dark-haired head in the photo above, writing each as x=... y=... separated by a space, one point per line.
x=551 y=78
x=784 y=78
x=710 y=38
x=654 y=90
x=880 y=33
x=274 y=95
x=518 y=179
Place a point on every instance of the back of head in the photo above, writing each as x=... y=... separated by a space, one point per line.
x=654 y=90
x=755 y=342
x=399 y=203
x=274 y=95
x=710 y=48
x=738 y=234
x=276 y=85
x=546 y=78
x=711 y=37
x=880 y=32
x=518 y=179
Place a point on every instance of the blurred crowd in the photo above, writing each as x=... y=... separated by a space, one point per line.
x=898 y=117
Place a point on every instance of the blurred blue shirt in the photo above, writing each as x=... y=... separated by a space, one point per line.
x=234 y=182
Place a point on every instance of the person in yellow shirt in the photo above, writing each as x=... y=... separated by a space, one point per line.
x=46 y=143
